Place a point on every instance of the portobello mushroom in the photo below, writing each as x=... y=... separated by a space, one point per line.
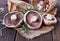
x=13 y=19
x=33 y=19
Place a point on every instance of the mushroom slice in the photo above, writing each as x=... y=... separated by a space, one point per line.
x=13 y=19
x=33 y=19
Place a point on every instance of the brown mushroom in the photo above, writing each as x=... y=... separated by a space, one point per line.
x=13 y=19
x=49 y=19
x=33 y=19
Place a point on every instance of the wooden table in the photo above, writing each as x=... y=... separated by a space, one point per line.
x=12 y=35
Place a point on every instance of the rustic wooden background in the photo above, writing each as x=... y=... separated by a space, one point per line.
x=12 y=35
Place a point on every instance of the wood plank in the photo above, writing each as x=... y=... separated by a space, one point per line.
x=8 y=34
x=45 y=37
x=56 y=31
x=58 y=2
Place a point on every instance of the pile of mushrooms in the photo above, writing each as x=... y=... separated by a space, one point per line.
x=45 y=5
x=33 y=19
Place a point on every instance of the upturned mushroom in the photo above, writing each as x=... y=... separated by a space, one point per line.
x=13 y=19
x=49 y=19
x=33 y=19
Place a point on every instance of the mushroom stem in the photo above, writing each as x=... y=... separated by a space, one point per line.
x=13 y=17
x=49 y=17
x=33 y=19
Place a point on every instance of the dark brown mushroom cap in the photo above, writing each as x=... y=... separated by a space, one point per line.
x=35 y=24
x=29 y=16
x=13 y=23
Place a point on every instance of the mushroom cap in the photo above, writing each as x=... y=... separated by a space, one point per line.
x=36 y=23
x=49 y=22
x=13 y=23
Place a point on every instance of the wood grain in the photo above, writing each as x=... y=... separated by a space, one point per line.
x=8 y=34
x=56 y=31
x=45 y=37
x=51 y=36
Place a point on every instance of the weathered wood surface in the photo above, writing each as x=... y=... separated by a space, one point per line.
x=51 y=36
x=45 y=37
x=10 y=34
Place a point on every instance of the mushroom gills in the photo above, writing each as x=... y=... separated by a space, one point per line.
x=33 y=19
